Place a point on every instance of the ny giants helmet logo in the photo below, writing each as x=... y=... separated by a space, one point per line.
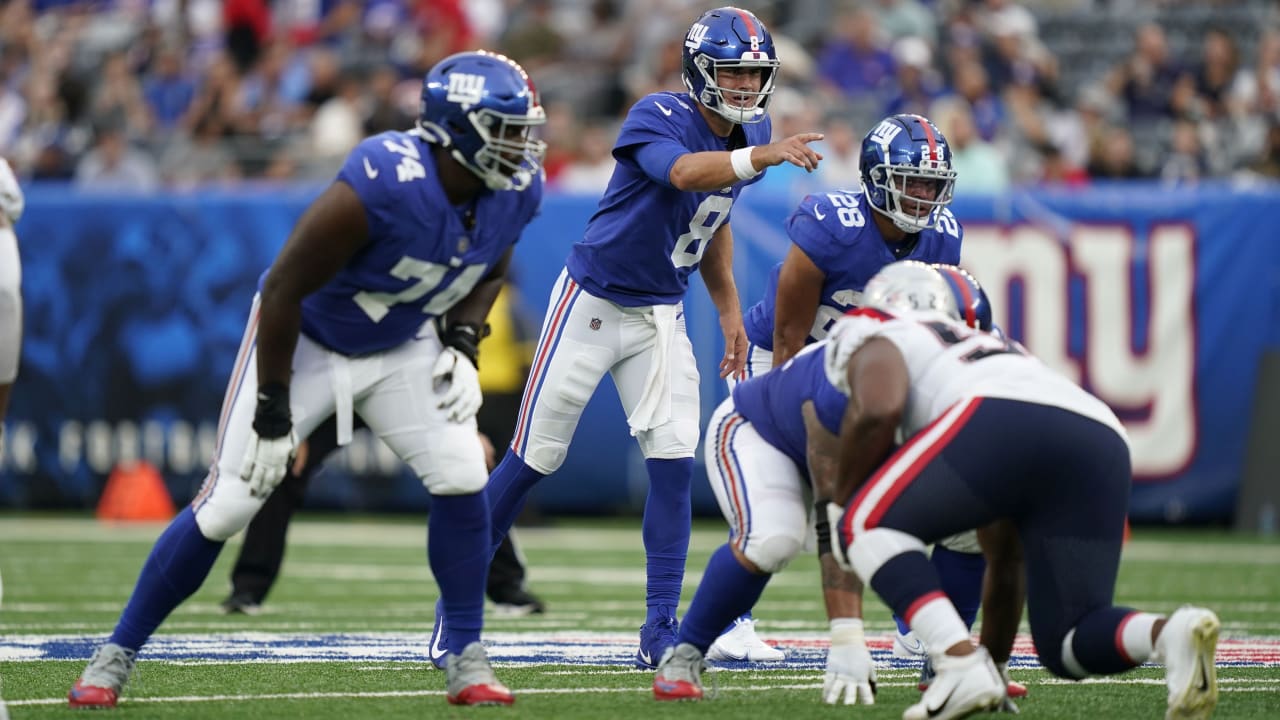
x=698 y=33
x=465 y=88
x=885 y=132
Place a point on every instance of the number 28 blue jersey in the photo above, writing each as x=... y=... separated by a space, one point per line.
x=420 y=259
x=836 y=231
x=646 y=237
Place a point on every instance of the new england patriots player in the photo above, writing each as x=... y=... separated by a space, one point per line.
x=995 y=437
x=682 y=160
x=839 y=240
x=375 y=306
x=765 y=472
x=12 y=202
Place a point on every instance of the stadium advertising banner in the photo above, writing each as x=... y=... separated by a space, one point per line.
x=1159 y=300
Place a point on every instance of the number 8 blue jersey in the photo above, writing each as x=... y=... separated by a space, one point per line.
x=646 y=237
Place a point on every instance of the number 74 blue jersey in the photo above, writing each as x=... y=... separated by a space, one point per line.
x=421 y=257
x=836 y=230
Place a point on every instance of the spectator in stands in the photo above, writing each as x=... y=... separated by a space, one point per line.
x=977 y=161
x=1269 y=164
x=907 y=18
x=1186 y=161
x=918 y=84
x=113 y=164
x=1113 y=158
x=386 y=111
x=1219 y=61
x=168 y=89
x=592 y=166
x=972 y=84
x=1147 y=78
x=840 y=148
x=854 y=60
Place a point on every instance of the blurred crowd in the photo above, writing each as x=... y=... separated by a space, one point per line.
x=146 y=94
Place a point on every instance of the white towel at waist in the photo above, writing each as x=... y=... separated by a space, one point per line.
x=654 y=407
x=340 y=381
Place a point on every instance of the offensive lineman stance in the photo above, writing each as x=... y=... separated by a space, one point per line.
x=418 y=225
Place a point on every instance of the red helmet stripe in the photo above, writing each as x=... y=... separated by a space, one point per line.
x=959 y=282
x=928 y=134
x=751 y=26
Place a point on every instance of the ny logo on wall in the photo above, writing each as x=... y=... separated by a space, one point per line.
x=465 y=88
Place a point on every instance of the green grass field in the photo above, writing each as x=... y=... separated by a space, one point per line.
x=344 y=633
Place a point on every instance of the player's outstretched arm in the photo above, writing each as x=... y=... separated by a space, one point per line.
x=713 y=169
x=796 y=305
x=329 y=232
x=850 y=671
x=1004 y=588
x=717 y=274
x=878 y=382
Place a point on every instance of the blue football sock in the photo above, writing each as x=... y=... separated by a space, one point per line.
x=666 y=527
x=508 y=488
x=961 y=575
x=178 y=564
x=726 y=590
x=903 y=627
x=458 y=550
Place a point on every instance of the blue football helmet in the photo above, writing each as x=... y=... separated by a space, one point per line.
x=906 y=171
x=729 y=37
x=484 y=107
x=913 y=286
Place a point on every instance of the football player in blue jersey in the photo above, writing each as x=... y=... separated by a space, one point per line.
x=764 y=471
x=375 y=306
x=839 y=240
x=12 y=202
x=682 y=160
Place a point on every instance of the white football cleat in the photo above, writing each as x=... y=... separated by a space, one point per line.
x=743 y=644
x=1186 y=645
x=908 y=646
x=963 y=685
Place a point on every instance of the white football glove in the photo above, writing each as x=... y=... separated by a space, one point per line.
x=12 y=200
x=458 y=384
x=265 y=462
x=850 y=670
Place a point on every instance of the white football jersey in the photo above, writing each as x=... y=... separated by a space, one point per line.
x=948 y=362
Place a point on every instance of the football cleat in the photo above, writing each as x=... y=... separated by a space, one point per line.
x=471 y=680
x=100 y=684
x=679 y=674
x=908 y=647
x=241 y=603
x=438 y=648
x=963 y=685
x=1186 y=646
x=742 y=644
x=515 y=601
x=655 y=638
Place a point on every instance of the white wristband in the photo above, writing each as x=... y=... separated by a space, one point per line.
x=846 y=631
x=741 y=160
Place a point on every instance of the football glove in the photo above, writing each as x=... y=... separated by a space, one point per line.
x=271 y=441
x=265 y=462
x=850 y=670
x=457 y=383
